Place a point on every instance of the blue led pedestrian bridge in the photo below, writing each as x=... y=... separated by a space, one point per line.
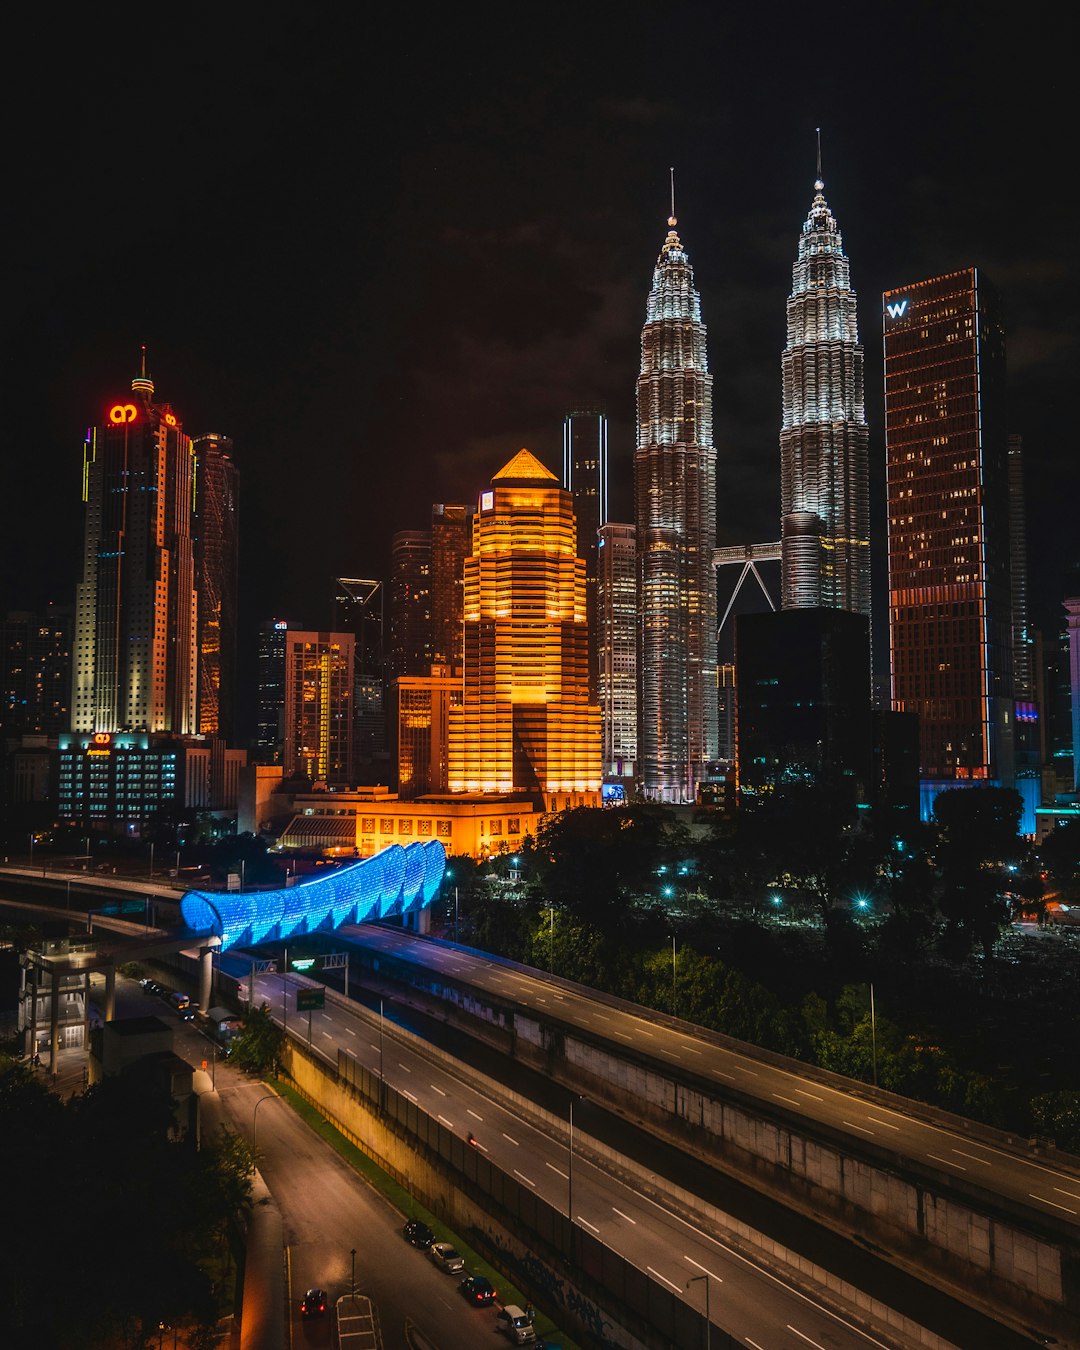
x=391 y=882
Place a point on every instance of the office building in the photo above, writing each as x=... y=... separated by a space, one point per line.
x=526 y=724
x=358 y=609
x=585 y=475
x=270 y=691
x=451 y=533
x=1072 y=609
x=134 y=650
x=410 y=645
x=675 y=509
x=950 y=612
x=318 y=720
x=423 y=705
x=216 y=542
x=35 y=672
x=824 y=458
x=616 y=640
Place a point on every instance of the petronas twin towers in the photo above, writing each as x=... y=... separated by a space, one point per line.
x=825 y=509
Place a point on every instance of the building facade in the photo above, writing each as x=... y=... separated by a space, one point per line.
x=585 y=477
x=675 y=508
x=526 y=724
x=824 y=440
x=215 y=529
x=423 y=730
x=134 y=649
x=35 y=672
x=948 y=506
x=451 y=534
x=270 y=691
x=318 y=717
x=410 y=646
x=358 y=609
x=616 y=640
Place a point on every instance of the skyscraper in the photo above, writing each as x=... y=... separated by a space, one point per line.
x=824 y=468
x=675 y=495
x=270 y=695
x=358 y=609
x=585 y=475
x=409 y=650
x=318 y=705
x=451 y=530
x=617 y=631
x=948 y=504
x=526 y=723
x=134 y=651
x=216 y=540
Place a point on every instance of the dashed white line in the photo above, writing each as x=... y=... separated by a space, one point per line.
x=329 y=1035
x=721 y=1074
x=790 y=1100
x=437 y=1089
x=448 y=1123
x=717 y=1278
x=620 y=1213
x=350 y=1031
x=974 y=1157
x=602 y=1017
x=884 y=1123
x=693 y=1050
x=804 y=1337
x=587 y=1224
x=812 y=1095
x=564 y=1176
x=475 y=1114
x=1071 y=1194
x=406 y=1093
x=1043 y=1200
x=404 y=1066
x=862 y=1128
x=527 y=1180
x=753 y=1343
x=947 y=1161
x=664 y=1278
x=511 y=1139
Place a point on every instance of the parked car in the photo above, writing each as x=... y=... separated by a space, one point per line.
x=478 y=1290
x=418 y=1233
x=446 y=1257
x=515 y=1323
x=313 y=1304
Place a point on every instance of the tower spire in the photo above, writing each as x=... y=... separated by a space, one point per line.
x=819 y=183
x=671 y=219
x=142 y=383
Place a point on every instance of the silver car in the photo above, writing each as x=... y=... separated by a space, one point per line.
x=446 y=1257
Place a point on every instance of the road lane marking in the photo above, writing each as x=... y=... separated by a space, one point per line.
x=404 y=1066
x=373 y=1045
x=561 y=1174
x=448 y=1123
x=527 y=1180
x=1071 y=1194
x=721 y=1074
x=602 y=1017
x=974 y=1157
x=329 y=1035
x=512 y=1139
x=406 y=1093
x=884 y=1123
x=1043 y=1200
x=947 y=1161
x=664 y=1278
x=350 y=1031
x=717 y=1278
x=438 y=1090
x=813 y=1095
x=753 y=1343
x=852 y=1126
x=475 y=1114
x=802 y=1336
x=790 y=1100
x=621 y=1214
x=623 y=1035
x=587 y=1224
x=646 y=1033
x=693 y=1050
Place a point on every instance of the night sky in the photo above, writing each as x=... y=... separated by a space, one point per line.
x=384 y=252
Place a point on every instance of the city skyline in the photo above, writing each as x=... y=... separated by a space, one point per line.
x=401 y=382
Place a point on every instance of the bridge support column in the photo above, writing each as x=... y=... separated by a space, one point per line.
x=110 y=993
x=54 y=1023
x=206 y=975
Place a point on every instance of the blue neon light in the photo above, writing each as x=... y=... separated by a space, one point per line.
x=392 y=881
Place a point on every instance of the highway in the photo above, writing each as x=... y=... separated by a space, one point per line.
x=1048 y=1188
x=762 y=1310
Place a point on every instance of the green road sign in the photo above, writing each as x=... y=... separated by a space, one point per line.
x=309 y=999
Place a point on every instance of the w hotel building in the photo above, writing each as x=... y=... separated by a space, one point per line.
x=948 y=504
x=526 y=724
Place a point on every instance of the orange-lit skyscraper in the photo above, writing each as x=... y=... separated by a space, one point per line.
x=526 y=723
x=948 y=501
x=134 y=649
x=318 y=717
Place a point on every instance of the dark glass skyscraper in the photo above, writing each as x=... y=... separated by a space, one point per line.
x=950 y=611
x=824 y=467
x=214 y=528
x=675 y=506
x=585 y=475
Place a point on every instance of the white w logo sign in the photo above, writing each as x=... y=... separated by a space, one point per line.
x=897 y=310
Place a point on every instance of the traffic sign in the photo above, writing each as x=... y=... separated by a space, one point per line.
x=309 y=999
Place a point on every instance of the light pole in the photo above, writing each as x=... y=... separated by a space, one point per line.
x=352 y=1282
x=674 y=1000
x=270 y=1096
x=382 y=1081
x=570 y=1180
x=285 y=995
x=708 y=1320
x=31 y=853
x=456 y=915
x=551 y=944
x=151 y=860
x=873 y=1033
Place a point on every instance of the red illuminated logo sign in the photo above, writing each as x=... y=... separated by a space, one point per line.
x=122 y=412
x=170 y=420
x=100 y=744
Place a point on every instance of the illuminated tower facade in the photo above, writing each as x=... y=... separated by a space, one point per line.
x=134 y=650
x=318 y=719
x=824 y=458
x=451 y=530
x=216 y=579
x=950 y=612
x=409 y=650
x=675 y=505
x=585 y=474
x=617 y=632
x=526 y=723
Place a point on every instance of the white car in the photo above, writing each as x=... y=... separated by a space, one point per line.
x=446 y=1257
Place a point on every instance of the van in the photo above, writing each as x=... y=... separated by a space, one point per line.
x=179 y=1001
x=515 y=1323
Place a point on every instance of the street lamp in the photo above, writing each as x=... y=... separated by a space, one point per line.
x=674 y=1004
x=270 y=1096
x=151 y=860
x=551 y=942
x=708 y=1320
x=873 y=1033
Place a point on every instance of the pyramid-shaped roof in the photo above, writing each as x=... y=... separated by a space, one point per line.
x=524 y=465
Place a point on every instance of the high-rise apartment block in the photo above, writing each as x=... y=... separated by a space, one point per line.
x=675 y=496
x=216 y=541
x=526 y=724
x=824 y=460
x=950 y=612
x=616 y=640
x=318 y=721
x=35 y=672
x=585 y=475
x=134 y=651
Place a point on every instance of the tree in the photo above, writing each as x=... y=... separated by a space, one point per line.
x=978 y=835
x=256 y=1047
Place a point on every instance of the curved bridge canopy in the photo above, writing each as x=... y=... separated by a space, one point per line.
x=397 y=879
